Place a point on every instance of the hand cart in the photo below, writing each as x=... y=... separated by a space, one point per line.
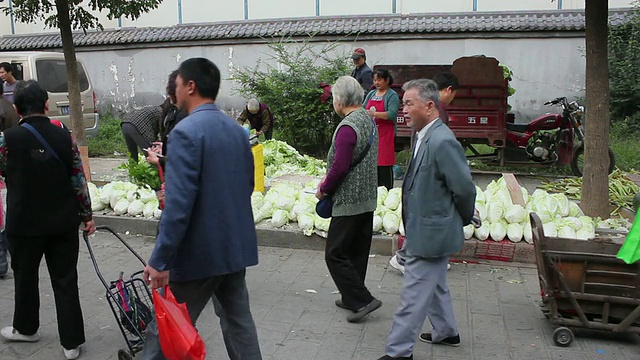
x=584 y=286
x=129 y=299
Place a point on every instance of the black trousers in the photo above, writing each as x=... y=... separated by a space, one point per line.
x=61 y=254
x=385 y=176
x=4 y=249
x=347 y=257
x=134 y=140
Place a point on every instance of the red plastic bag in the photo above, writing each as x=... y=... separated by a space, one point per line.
x=179 y=339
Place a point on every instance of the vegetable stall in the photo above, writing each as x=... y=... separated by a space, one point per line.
x=289 y=203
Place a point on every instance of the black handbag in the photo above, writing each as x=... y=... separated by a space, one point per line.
x=324 y=207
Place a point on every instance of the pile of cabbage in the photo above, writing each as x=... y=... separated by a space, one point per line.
x=285 y=204
x=124 y=198
x=501 y=219
x=281 y=158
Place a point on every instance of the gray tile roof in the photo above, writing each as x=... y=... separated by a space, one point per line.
x=476 y=22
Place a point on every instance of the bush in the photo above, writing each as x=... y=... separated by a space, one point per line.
x=109 y=141
x=624 y=71
x=292 y=91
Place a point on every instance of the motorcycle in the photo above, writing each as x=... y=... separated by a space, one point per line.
x=551 y=139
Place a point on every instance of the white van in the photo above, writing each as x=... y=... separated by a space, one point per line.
x=49 y=69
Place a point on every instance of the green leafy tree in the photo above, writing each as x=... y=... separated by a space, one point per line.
x=288 y=81
x=624 y=67
x=68 y=15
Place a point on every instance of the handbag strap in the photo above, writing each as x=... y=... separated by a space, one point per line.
x=43 y=141
x=367 y=147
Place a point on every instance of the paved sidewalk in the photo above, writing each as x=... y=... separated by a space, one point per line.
x=495 y=305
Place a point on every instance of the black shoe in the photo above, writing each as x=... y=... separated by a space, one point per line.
x=387 y=357
x=374 y=305
x=341 y=305
x=450 y=341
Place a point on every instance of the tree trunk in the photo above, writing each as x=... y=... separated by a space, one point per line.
x=595 y=186
x=75 y=102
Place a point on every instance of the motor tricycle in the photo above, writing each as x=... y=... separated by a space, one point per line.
x=478 y=115
x=479 y=118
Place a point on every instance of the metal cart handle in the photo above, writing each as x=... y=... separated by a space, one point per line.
x=85 y=236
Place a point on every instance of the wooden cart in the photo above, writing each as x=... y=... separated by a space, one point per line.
x=584 y=286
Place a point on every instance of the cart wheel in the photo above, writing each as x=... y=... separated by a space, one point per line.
x=563 y=336
x=124 y=355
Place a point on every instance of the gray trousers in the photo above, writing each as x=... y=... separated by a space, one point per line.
x=240 y=335
x=425 y=294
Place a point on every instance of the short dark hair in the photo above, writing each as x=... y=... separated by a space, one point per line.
x=204 y=73
x=30 y=98
x=384 y=74
x=446 y=79
x=171 y=85
x=7 y=67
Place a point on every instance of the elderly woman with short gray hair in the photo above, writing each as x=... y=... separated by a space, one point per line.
x=352 y=183
x=259 y=117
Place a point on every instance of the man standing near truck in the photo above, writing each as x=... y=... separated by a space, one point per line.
x=448 y=85
x=362 y=72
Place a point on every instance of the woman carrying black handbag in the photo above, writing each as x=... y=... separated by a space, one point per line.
x=352 y=183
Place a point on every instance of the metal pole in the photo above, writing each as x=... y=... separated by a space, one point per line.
x=559 y=4
x=13 y=24
x=120 y=22
x=246 y=9
x=475 y=5
x=317 y=7
x=179 y=11
x=394 y=4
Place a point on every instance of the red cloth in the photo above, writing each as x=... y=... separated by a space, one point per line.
x=57 y=123
x=346 y=139
x=386 y=134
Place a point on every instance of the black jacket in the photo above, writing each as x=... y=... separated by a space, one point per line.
x=40 y=198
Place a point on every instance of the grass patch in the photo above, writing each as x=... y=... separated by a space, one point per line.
x=625 y=145
x=109 y=142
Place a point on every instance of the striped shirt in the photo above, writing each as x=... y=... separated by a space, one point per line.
x=147 y=120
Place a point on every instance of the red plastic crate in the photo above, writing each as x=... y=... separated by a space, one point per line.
x=504 y=250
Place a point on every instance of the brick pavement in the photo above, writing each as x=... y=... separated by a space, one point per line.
x=498 y=317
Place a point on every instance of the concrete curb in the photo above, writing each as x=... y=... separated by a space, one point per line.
x=294 y=239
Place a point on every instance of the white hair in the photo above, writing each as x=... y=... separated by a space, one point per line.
x=427 y=89
x=253 y=105
x=347 y=91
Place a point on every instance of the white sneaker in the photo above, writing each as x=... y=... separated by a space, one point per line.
x=72 y=354
x=448 y=266
x=395 y=264
x=12 y=334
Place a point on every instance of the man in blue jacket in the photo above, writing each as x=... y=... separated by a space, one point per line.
x=207 y=237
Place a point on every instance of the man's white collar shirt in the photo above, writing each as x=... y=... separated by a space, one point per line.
x=421 y=134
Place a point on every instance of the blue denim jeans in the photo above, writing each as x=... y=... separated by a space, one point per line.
x=231 y=303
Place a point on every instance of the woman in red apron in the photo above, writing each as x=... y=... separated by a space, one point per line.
x=382 y=104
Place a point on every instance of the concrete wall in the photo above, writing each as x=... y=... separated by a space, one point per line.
x=171 y=12
x=543 y=68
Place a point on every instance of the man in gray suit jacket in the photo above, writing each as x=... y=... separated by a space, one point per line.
x=438 y=199
x=207 y=237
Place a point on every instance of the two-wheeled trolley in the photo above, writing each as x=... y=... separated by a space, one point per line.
x=129 y=299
